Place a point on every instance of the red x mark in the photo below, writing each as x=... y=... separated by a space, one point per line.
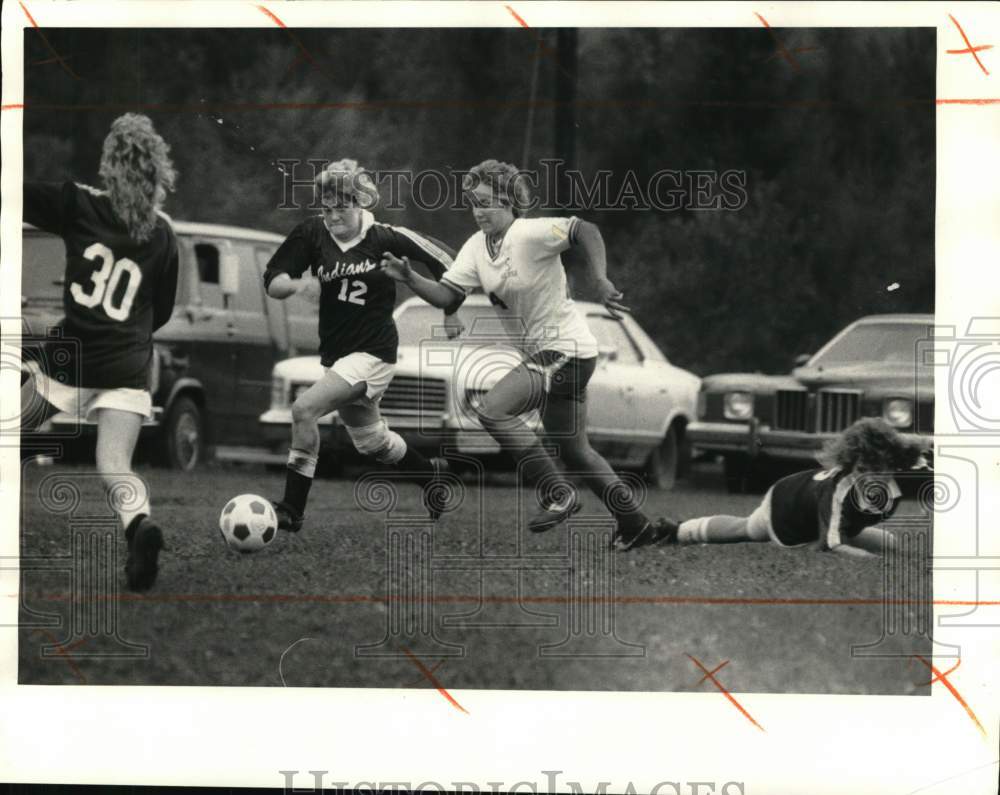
x=543 y=49
x=970 y=50
x=710 y=675
x=943 y=679
x=304 y=55
x=429 y=676
x=55 y=56
x=63 y=651
x=782 y=50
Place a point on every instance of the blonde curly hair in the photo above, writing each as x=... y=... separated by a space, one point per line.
x=505 y=181
x=137 y=172
x=346 y=179
x=873 y=445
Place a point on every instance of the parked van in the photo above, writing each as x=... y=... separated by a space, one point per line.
x=211 y=374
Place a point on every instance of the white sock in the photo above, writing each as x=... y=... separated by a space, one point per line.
x=302 y=461
x=693 y=531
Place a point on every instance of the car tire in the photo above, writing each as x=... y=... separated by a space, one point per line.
x=665 y=464
x=182 y=438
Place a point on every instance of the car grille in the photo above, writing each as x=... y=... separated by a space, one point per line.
x=836 y=409
x=411 y=396
x=826 y=411
x=792 y=410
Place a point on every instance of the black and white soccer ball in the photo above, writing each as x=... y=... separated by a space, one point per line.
x=248 y=523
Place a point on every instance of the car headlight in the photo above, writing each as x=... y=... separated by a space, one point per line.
x=737 y=405
x=898 y=412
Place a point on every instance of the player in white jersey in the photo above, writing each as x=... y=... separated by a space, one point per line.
x=516 y=262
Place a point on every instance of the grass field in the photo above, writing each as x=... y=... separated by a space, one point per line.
x=533 y=616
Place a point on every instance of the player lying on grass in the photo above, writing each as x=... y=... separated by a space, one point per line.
x=516 y=262
x=119 y=287
x=834 y=508
x=342 y=247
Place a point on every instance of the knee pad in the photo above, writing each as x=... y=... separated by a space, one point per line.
x=377 y=440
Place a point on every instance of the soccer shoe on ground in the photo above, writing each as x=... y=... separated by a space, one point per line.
x=555 y=513
x=288 y=518
x=435 y=491
x=145 y=540
x=663 y=530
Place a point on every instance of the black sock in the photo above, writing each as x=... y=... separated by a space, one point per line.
x=414 y=461
x=620 y=501
x=296 y=490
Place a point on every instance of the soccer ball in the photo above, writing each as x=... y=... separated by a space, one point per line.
x=248 y=523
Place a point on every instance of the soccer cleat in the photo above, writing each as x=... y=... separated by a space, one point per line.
x=435 y=491
x=555 y=513
x=663 y=530
x=288 y=518
x=145 y=540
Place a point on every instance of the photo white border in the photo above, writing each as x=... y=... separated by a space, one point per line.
x=815 y=744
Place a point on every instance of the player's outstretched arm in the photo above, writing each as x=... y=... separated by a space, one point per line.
x=589 y=239
x=437 y=294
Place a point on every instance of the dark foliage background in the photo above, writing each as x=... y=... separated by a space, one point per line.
x=838 y=148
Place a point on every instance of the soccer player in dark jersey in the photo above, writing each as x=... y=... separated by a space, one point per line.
x=834 y=508
x=120 y=283
x=342 y=247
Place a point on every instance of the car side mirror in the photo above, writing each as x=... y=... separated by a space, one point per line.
x=607 y=353
x=801 y=359
x=229 y=272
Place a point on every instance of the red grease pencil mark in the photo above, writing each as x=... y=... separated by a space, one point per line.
x=14 y=106
x=517 y=16
x=429 y=676
x=304 y=53
x=63 y=651
x=943 y=679
x=55 y=55
x=711 y=676
x=782 y=49
x=970 y=50
x=420 y=678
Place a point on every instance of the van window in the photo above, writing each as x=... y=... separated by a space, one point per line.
x=209 y=290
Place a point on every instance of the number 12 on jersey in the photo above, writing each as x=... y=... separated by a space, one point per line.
x=105 y=283
x=356 y=295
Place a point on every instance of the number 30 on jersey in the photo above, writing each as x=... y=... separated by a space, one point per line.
x=105 y=283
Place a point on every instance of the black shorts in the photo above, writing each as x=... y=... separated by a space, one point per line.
x=565 y=376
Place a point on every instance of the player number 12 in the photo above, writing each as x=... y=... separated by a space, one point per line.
x=357 y=294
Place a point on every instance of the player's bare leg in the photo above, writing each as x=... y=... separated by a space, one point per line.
x=117 y=434
x=328 y=394
x=519 y=391
x=35 y=409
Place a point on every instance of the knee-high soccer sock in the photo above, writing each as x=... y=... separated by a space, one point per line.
x=298 y=478
x=414 y=461
x=713 y=530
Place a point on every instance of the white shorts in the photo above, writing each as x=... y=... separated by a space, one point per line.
x=81 y=403
x=357 y=367
x=759 y=527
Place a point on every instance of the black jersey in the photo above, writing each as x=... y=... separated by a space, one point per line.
x=116 y=291
x=829 y=506
x=356 y=298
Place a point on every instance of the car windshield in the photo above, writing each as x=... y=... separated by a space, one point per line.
x=420 y=322
x=43 y=260
x=874 y=342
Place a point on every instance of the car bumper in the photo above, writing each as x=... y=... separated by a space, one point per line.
x=754 y=439
x=421 y=432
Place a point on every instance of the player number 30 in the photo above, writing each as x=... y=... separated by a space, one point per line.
x=105 y=282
